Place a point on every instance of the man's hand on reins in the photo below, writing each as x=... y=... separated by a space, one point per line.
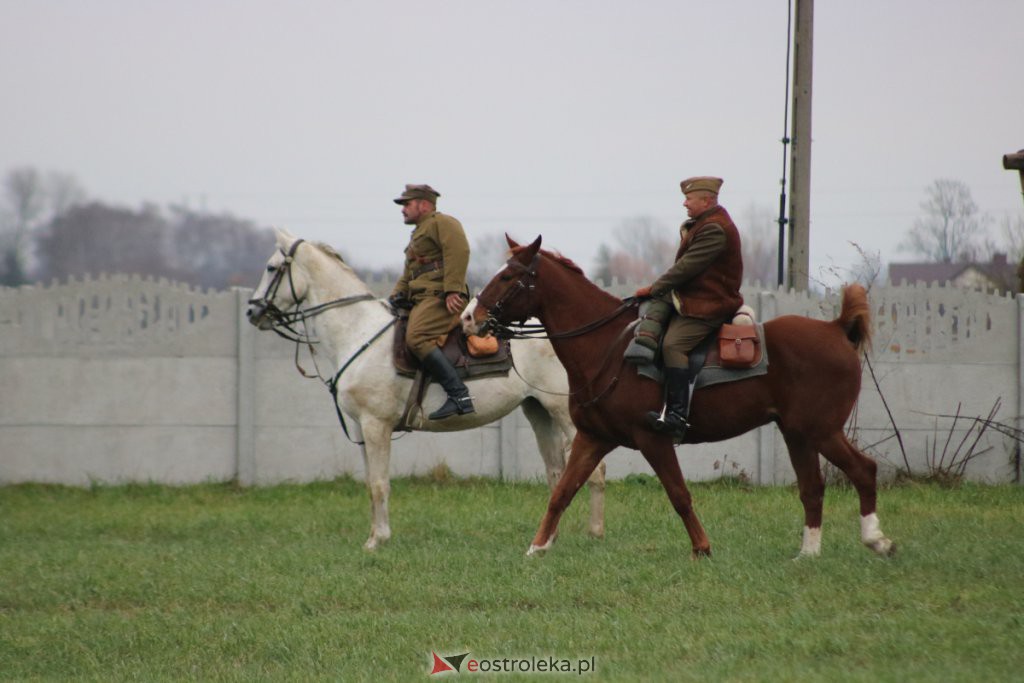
x=643 y=293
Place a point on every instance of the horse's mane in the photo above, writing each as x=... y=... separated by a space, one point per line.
x=554 y=256
x=329 y=250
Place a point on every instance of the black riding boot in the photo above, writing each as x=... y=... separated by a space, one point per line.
x=677 y=384
x=442 y=372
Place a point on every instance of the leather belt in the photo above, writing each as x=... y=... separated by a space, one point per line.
x=427 y=268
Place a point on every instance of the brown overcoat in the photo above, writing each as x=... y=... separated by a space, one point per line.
x=708 y=271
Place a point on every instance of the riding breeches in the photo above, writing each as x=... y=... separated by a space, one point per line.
x=682 y=336
x=429 y=324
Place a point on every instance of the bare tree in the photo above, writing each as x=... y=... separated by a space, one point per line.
x=760 y=243
x=1012 y=228
x=644 y=250
x=94 y=238
x=26 y=200
x=208 y=250
x=952 y=228
x=603 y=265
x=216 y=251
x=31 y=199
x=489 y=251
x=62 y=192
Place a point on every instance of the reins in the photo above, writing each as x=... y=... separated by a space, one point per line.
x=538 y=331
x=604 y=364
x=287 y=319
x=534 y=331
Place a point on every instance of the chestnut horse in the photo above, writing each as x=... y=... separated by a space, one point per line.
x=812 y=384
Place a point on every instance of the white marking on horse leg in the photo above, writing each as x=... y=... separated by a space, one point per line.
x=540 y=549
x=380 y=526
x=596 y=484
x=871 y=535
x=812 y=542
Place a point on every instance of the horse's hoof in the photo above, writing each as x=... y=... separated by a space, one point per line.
x=597 y=531
x=806 y=555
x=374 y=542
x=883 y=547
x=699 y=553
x=538 y=550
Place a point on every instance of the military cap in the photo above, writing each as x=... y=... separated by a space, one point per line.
x=418 y=192
x=701 y=182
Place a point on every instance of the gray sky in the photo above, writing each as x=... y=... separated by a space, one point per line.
x=561 y=118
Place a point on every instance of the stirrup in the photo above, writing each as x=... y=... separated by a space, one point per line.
x=663 y=422
x=453 y=406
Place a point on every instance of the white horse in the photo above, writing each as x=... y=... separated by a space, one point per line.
x=307 y=288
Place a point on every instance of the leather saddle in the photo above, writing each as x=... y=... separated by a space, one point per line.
x=457 y=349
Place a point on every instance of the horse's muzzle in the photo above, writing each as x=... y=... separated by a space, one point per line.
x=257 y=315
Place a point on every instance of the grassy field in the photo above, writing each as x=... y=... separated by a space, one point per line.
x=216 y=583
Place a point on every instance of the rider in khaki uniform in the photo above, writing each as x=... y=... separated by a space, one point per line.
x=703 y=286
x=434 y=281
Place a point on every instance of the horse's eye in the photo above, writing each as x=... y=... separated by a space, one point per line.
x=271 y=269
x=505 y=277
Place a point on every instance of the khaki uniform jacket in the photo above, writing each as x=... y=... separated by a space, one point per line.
x=436 y=259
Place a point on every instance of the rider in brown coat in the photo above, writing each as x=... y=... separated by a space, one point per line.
x=703 y=286
x=434 y=282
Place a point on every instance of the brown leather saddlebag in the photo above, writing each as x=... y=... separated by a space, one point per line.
x=738 y=346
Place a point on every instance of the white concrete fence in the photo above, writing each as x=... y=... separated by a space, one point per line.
x=122 y=379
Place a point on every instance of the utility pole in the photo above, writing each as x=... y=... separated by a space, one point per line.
x=800 y=152
x=1015 y=162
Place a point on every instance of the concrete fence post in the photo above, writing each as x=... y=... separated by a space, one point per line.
x=1019 y=417
x=245 y=395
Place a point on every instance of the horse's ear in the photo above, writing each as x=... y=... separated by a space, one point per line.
x=284 y=238
x=534 y=246
x=512 y=244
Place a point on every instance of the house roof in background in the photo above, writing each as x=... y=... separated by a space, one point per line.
x=998 y=270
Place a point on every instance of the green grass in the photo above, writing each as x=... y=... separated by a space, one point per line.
x=216 y=583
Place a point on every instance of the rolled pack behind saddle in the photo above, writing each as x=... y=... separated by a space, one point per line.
x=736 y=351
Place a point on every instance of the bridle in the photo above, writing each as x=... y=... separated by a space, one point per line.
x=286 y=320
x=494 y=310
x=523 y=330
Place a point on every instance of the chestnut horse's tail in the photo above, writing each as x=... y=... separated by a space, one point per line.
x=855 y=317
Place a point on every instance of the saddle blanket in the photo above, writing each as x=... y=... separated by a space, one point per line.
x=711 y=372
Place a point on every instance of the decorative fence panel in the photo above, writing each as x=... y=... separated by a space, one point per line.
x=120 y=378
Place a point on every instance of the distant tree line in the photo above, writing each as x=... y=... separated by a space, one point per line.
x=50 y=230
